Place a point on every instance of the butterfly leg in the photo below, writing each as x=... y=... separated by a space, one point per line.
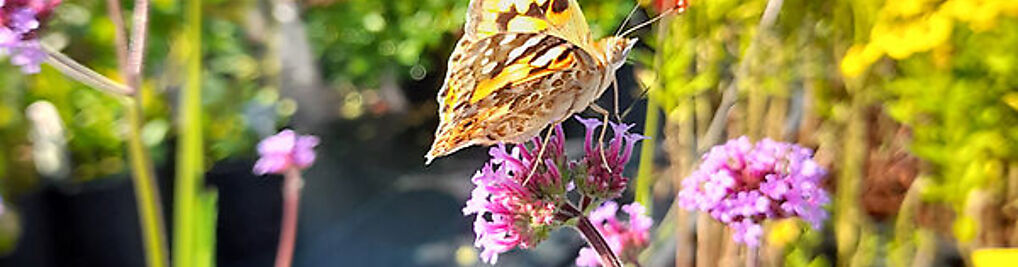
x=618 y=116
x=604 y=130
x=540 y=154
x=644 y=95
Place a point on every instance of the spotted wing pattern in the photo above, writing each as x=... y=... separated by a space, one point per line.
x=562 y=18
x=520 y=66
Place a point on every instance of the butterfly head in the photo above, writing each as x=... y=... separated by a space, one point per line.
x=616 y=49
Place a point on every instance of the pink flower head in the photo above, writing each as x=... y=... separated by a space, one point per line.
x=520 y=215
x=507 y=214
x=285 y=150
x=742 y=184
x=518 y=205
x=627 y=239
x=594 y=178
x=20 y=21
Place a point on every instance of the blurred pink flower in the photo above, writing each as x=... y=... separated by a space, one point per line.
x=20 y=21
x=742 y=184
x=626 y=239
x=285 y=150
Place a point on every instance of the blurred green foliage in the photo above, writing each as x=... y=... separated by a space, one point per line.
x=953 y=93
x=236 y=91
x=945 y=69
x=942 y=69
x=355 y=39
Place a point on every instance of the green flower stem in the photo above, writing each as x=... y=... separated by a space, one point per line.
x=146 y=189
x=645 y=177
x=905 y=238
x=848 y=220
x=195 y=207
x=150 y=212
x=78 y=72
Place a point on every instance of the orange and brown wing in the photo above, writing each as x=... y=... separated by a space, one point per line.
x=562 y=18
x=507 y=87
x=513 y=61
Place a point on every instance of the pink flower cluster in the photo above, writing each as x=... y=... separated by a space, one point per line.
x=516 y=208
x=598 y=179
x=626 y=239
x=519 y=215
x=20 y=21
x=518 y=218
x=742 y=184
x=285 y=150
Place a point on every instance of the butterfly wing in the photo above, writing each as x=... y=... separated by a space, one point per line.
x=510 y=101
x=519 y=67
x=562 y=18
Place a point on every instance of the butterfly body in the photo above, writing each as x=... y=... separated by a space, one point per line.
x=520 y=66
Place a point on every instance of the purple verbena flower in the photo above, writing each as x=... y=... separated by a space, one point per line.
x=285 y=150
x=626 y=239
x=520 y=215
x=518 y=202
x=742 y=184
x=595 y=179
x=516 y=217
x=20 y=21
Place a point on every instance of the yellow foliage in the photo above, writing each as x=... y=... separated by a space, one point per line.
x=906 y=27
x=1011 y=99
x=783 y=232
x=994 y=257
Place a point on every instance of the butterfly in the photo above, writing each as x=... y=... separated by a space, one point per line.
x=520 y=66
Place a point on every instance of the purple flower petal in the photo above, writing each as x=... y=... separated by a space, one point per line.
x=20 y=22
x=285 y=150
x=604 y=213
x=624 y=238
x=588 y=257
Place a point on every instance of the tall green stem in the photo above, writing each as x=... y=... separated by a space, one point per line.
x=644 y=178
x=150 y=212
x=194 y=207
x=130 y=61
x=145 y=182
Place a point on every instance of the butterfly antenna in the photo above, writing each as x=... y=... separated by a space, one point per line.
x=667 y=12
x=626 y=21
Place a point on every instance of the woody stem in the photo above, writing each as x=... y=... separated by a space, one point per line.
x=594 y=238
x=608 y=258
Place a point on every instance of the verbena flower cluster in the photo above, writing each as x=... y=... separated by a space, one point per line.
x=742 y=184
x=20 y=21
x=602 y=178
x=285 y=150
x=626 y=239
x=515 y=208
